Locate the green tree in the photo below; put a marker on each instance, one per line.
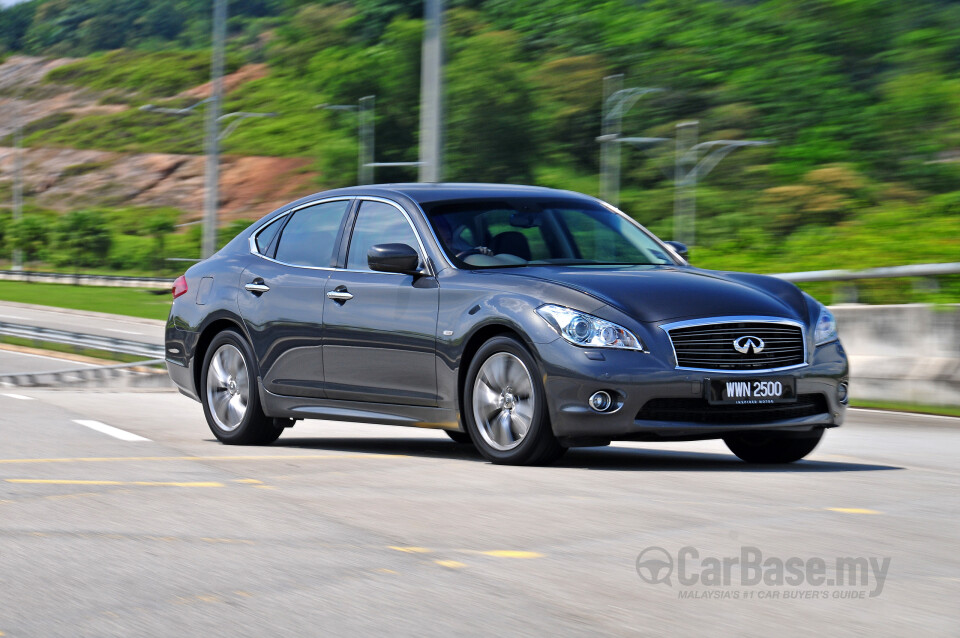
(490, 109)
(81, 238)
(30, 234)
(158, 226)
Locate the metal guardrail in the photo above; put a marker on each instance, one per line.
(89, 280)
(80, 340)
(915, 270)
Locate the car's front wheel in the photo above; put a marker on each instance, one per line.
(229, 394)
(773, 447)
(505, 406)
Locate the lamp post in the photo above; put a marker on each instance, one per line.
(690, 167)
(366, 165)
(18, 181)
(212, 173)
(616, 102)
(431, 94)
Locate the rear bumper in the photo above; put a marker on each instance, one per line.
(180, 344)
(182, 375)
(639, 380)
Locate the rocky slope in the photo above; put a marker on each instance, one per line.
(68, 179)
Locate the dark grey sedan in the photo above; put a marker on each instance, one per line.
(521, 320)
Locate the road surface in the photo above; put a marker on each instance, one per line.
(91, 323)
(15, 362)
(362, 530)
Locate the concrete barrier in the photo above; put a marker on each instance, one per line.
(908, 352)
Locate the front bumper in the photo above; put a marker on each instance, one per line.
(638, 379)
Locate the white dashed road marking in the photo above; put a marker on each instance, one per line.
(109, 430)
(17, 396)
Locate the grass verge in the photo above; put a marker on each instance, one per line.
(896, 406)
(133, 302)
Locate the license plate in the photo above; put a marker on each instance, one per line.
(751, 391)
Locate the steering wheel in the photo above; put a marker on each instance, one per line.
(477, 250)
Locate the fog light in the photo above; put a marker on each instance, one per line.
(842, 393)
(601, 401)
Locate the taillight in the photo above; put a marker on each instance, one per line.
(180, 286)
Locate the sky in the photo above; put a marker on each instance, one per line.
(7, 3)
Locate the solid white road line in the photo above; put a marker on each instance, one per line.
(43, 356)
(116, 433)
(17, 396)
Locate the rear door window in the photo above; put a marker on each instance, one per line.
(308, 238)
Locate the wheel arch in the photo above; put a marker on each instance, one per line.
(207, 335)
(472, 346)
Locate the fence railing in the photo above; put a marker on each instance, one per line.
(84, 341)
(116, 281)
(915, 270)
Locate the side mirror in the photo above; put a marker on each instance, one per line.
(396, 258)
(681, 249)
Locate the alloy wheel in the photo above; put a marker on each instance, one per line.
(228, 387)
(503, 401)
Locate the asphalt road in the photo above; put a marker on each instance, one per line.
(361, 530)
(91, 323)
(15, 362)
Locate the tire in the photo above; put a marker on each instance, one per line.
(463, 438)
(229, 393)
(773, 447)
(505, 407)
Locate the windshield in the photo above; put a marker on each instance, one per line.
(540, 232)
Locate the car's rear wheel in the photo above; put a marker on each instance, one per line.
(773, 447)
(229, 394)
(505, 406)
(463, 438)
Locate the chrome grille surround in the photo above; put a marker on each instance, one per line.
(785, 344)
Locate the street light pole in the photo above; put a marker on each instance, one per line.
(684, 204)
(212, 195)
(689, 168)
(365, 134)
(18, 180)
(616, 102)
(366, 124)
(431, 93)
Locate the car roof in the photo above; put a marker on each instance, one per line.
(425, 192)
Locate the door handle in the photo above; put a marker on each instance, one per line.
(339, 295)
(257, 288)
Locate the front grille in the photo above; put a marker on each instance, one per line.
(711, 346)
(700, 411)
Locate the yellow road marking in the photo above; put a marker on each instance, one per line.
(507, 553)
(243, 593)
(384, 570)
(141, 483)
(248, 481)
(852, 510)
(451, 564)
(274, 457)
(411, 550)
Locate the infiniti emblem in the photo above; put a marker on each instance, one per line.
(744, 344)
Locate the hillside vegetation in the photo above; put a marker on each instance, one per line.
(861, 100)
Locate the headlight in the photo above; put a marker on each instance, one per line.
(586, 330)
(826, 327)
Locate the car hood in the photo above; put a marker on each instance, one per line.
(660, 293)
